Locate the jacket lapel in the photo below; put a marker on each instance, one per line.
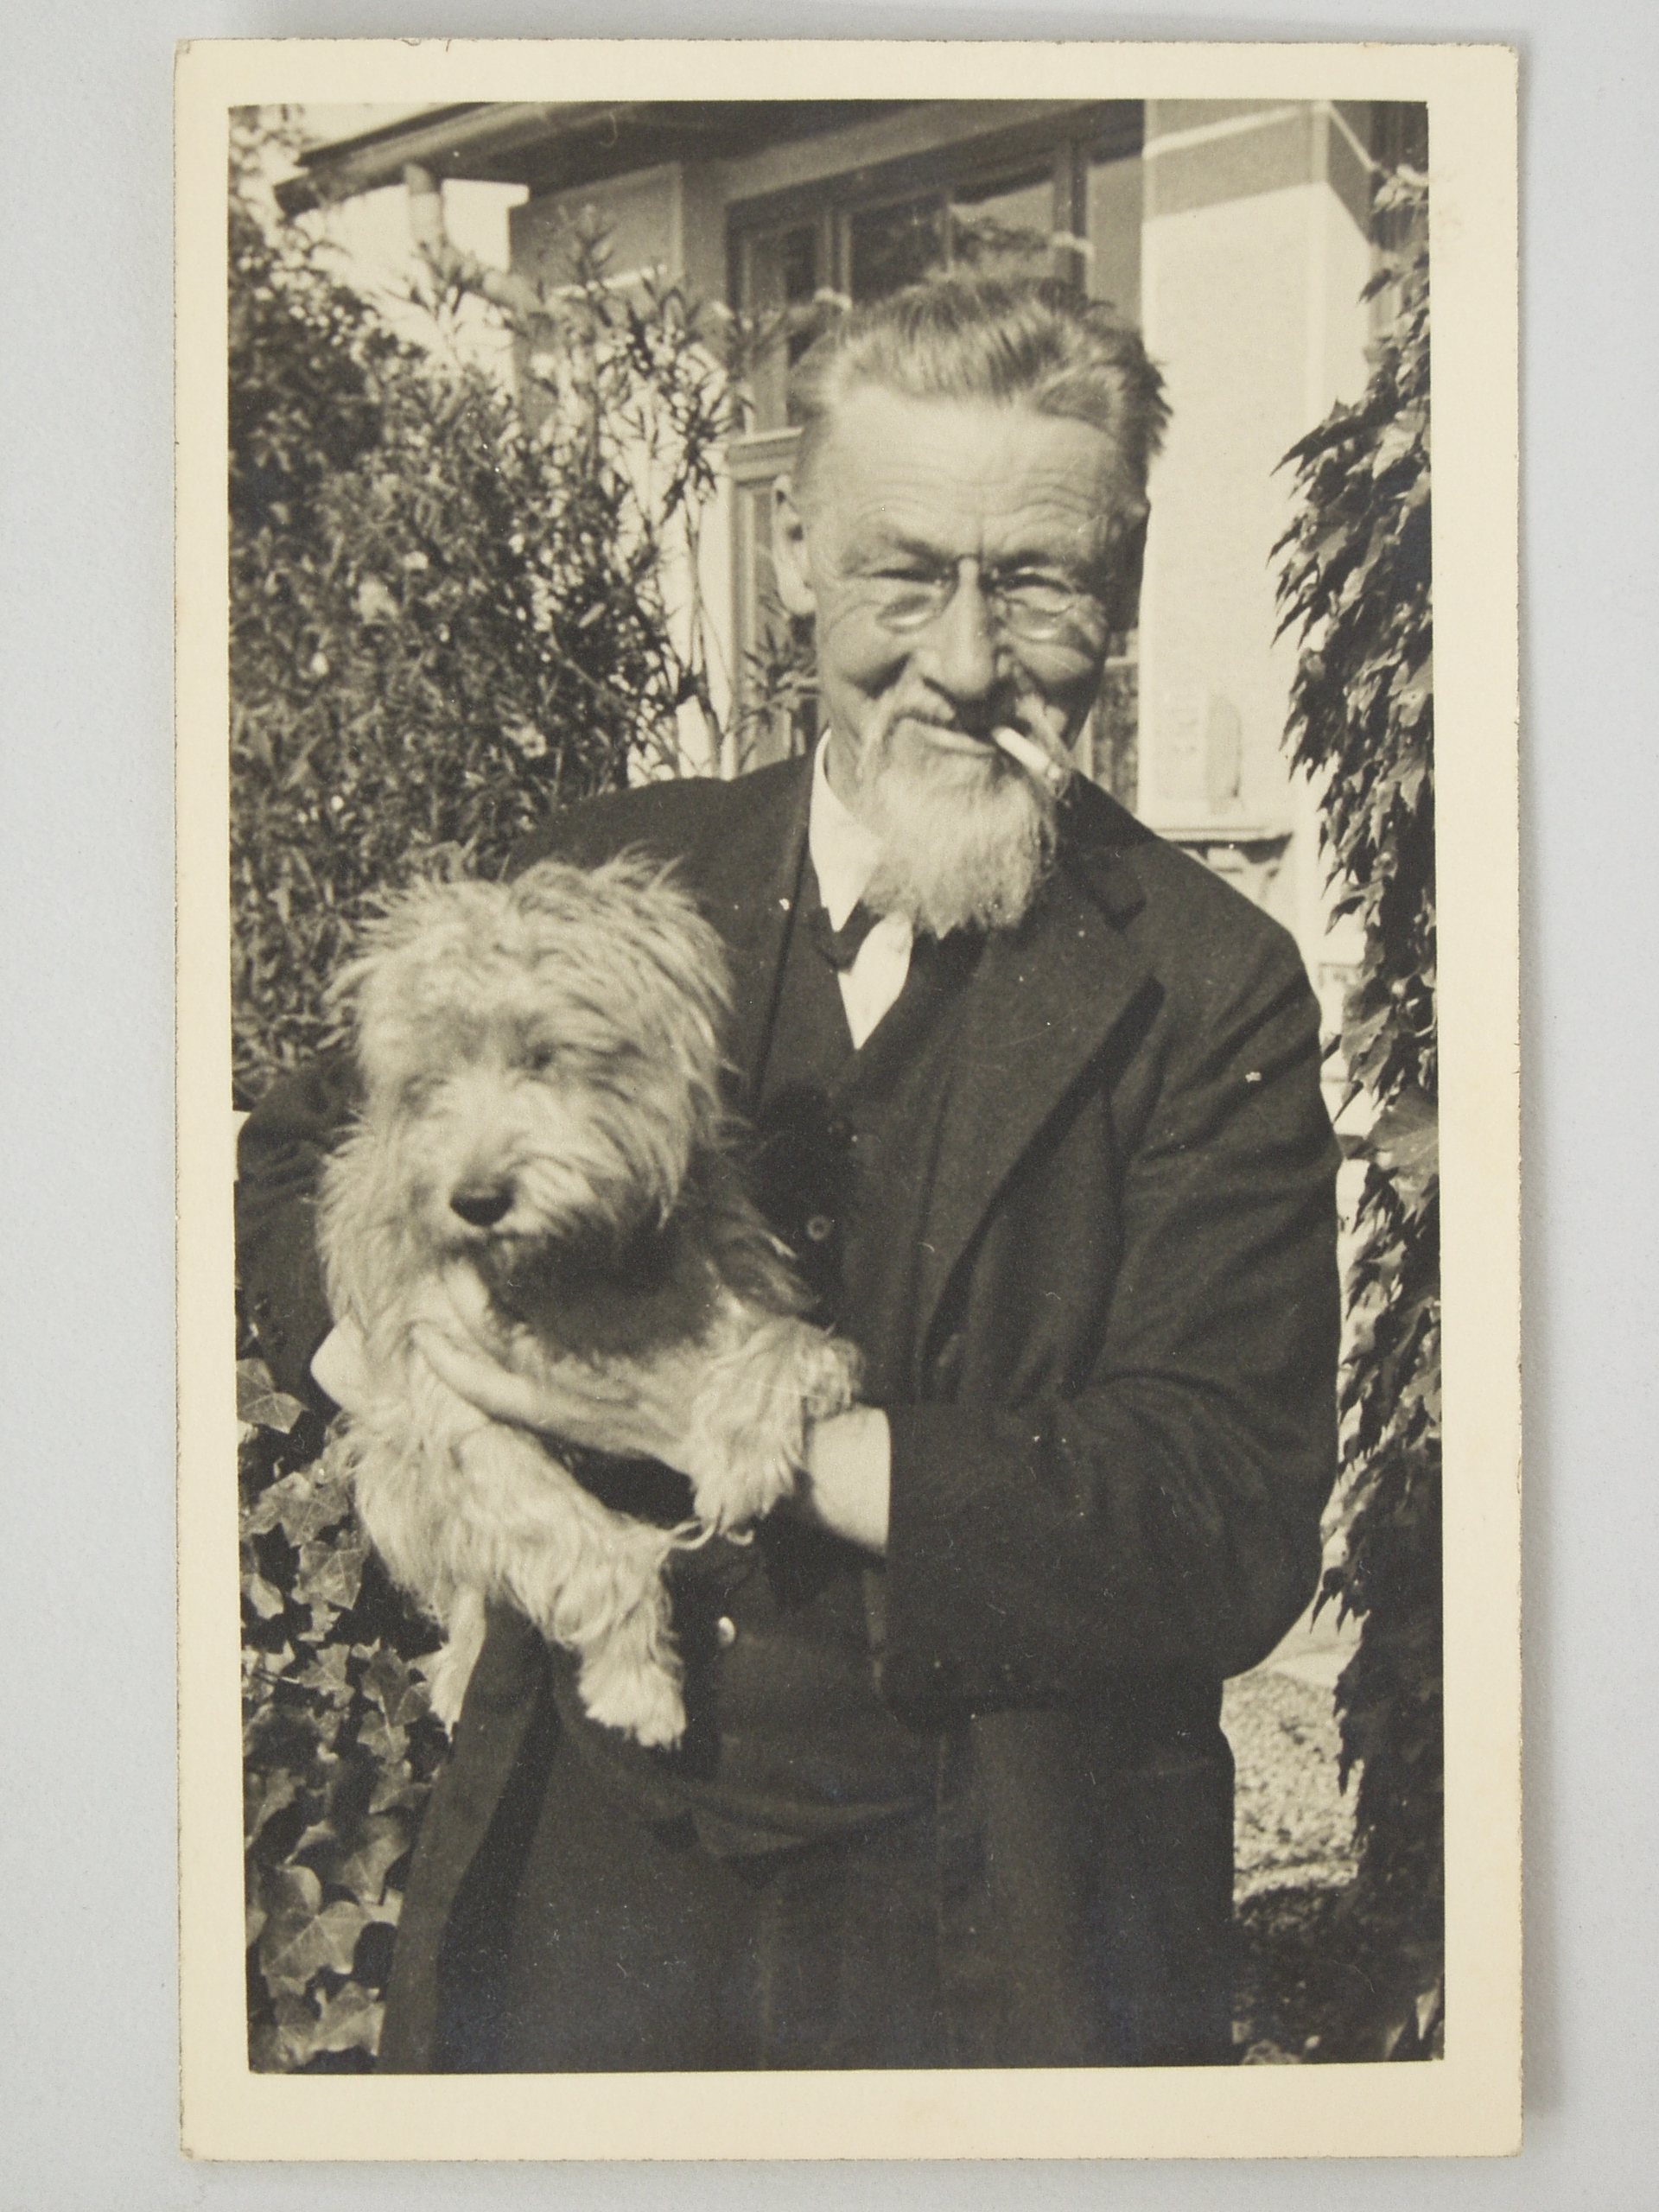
(748, 865)
(1043, 1001)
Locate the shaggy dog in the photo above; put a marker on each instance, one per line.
(541, 1065)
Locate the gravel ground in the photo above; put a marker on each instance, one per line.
(1292, 1823)
(1303, 1978)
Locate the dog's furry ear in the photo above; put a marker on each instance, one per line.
(440, 903)
(634, 917)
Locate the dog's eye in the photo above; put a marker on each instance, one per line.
(414, 1091)
(537, 1060)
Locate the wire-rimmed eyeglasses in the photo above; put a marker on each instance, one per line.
(1037, 608)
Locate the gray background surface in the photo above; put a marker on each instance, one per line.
(87, 1977)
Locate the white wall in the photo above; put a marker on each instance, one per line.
(1250, 303)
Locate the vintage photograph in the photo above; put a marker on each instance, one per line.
(835, 1053)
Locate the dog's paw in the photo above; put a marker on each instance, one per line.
(749, 1426)
(642, 1702)
(741, 1478)
(448, 1673)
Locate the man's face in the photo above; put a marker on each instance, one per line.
(976, 499)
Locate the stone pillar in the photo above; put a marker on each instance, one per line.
(1254, 253)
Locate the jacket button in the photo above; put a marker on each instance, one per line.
(819, 1227)
(725, 1631)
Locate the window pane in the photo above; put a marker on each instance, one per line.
(1114, 215)
(783, 277)
(1005, 225)
(798, 254)
(783, 268)
(894, 245)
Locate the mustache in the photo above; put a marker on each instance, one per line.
(1023, 745)
(947, 724)
(1000, 710)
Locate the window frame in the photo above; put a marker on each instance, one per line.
(1069, 140)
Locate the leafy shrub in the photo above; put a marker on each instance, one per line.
(449, 610)
(449, 615)
(1355, 583)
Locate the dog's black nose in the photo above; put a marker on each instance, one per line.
(482, 1207)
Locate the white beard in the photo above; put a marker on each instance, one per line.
(964, 844)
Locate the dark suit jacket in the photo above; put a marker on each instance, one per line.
(1108, 1466)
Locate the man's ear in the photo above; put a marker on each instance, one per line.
(1130, 560)
(789, 552)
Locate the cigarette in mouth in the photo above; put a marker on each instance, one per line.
(1053, 775)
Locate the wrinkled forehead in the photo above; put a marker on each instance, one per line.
(961, 476)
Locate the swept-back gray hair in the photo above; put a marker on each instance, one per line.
(1030, 342)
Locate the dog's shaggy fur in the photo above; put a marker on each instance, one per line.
(541, 1065)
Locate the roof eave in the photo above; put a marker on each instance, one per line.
(462, 140)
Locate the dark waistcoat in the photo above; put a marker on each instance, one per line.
(787, 1739)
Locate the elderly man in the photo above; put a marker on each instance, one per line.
(1036, 1102)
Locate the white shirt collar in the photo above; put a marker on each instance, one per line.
(844, 854)
(844, 851)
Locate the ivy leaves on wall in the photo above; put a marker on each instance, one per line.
(339, 1747)
(1355, 583)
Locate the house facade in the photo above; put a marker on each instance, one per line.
(1238, 234)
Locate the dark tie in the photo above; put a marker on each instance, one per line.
(840, 946)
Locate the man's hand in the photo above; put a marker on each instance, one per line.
(631, 1412)
(844, 1484)
(644, 1413)
(340, 1365)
